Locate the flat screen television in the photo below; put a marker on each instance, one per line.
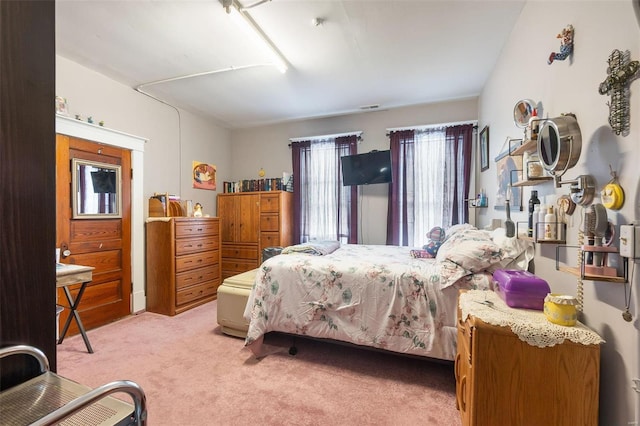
(366, 169)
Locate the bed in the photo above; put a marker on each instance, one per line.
(377, 296)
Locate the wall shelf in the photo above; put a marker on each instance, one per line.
(533, 181)
(576, 272)
(579, 271)
(473, 203)
(527, 146)
(562, 227)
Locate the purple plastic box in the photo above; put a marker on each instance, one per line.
(521, 289)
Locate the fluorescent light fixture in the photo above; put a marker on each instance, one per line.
(248, 25)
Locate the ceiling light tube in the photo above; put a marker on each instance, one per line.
(249, 26)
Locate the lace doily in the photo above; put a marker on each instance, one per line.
(530, 326)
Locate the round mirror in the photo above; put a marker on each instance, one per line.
(559, 144)
(522, 112)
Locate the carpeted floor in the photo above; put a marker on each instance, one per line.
(193, 374)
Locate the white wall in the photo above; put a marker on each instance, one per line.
(175, 140)
(572, 86)
(267, 147)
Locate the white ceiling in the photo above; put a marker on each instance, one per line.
(366, 52)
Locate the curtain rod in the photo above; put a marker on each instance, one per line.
(337, 135)
(433, 126)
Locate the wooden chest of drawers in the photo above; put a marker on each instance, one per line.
(250, 222)
(501, 380)
(183, 263)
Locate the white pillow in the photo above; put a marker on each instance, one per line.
(472, 249)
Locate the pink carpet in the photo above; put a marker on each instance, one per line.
(193, 374)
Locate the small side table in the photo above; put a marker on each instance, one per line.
(67, 275)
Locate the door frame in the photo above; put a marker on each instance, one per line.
(80, 129)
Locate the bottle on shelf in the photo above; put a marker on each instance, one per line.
(534, 125)
(533, 201)
(536, 220)
(483, 199)
(542, 212)
(550, 231)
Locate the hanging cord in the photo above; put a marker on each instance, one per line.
(579, 285)
(626, 315)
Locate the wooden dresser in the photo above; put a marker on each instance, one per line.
(502, 380)
(251, 221)
(183, 263)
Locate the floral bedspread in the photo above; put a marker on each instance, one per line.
(369, 295)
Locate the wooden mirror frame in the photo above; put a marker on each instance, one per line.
(108, 187)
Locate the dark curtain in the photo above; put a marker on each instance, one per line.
(401, 143)
(300, 152)
(459, 146)
(347, 145)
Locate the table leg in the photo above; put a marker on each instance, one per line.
(74, 314)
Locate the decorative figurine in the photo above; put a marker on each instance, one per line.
(197, 210)
(61, 106)
(101, 123)
(90, 120)
(566, 45)
(621, 72)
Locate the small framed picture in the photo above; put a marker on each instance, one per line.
(61, 106)
(483, 147)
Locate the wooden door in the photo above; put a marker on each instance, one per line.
(239, 218)
(226, 213)
(248, 211)
(104, 243)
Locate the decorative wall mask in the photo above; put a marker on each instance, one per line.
(566, 45)
(621, 71)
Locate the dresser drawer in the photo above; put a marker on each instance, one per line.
(197, 260)
(270, 239)
(270, 222)
(195, 228)
(186, 246)
(186, 279)
(196, 292)
(237, 266)
(269, 203)
(240, 252)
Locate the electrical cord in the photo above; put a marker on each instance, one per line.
(626, 315)
(580, 284)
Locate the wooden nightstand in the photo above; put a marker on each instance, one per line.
(503, 380)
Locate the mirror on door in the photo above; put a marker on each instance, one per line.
(96, 189)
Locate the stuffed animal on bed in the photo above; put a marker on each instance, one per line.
(436, 237)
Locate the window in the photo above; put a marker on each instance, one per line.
(324, 209)
(431, 175)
